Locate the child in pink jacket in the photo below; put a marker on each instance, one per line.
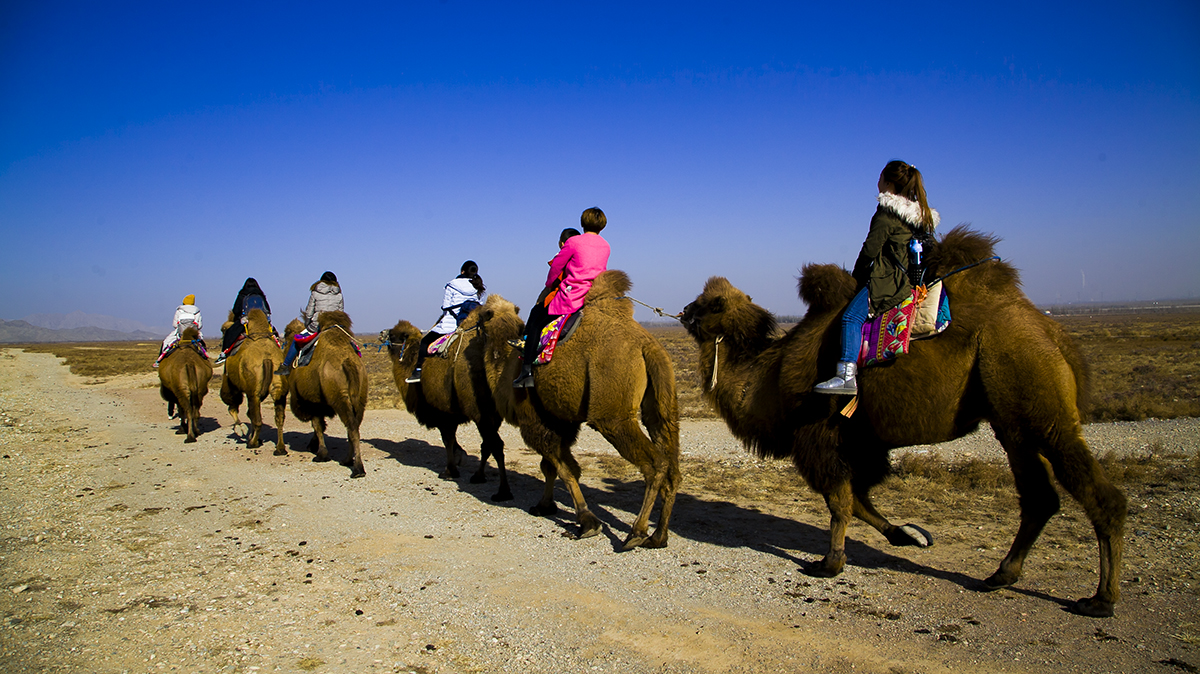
(580, 260)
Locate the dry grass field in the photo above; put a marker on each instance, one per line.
(1143, 365)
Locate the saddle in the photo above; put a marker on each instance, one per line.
(558, 331)
(198, 344)
(306, 345)
(924, 314)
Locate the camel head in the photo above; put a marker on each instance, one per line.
(292, 328)
(403, 339)
(257, 323)
(500, 320)
(724, 311)
(228, 322)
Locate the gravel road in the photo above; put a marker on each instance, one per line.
(125, 550)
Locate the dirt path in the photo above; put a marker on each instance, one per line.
(125, 550)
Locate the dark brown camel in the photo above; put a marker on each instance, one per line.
(333, 383)
(183, 378)
(1001, 361)
(458, 388)
(250, 373)
(610, 372)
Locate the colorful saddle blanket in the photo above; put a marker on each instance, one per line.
(201, 348)
(441, 345)
(306, 347)
(559, 330)
(889, 334)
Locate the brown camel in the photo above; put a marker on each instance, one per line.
(1000, 361)
(333, 383)
(250, 373)
(183, 378)
(607, 373)
(458, 388)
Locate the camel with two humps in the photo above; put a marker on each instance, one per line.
(250, 374)
(458, 388)
(1001, 361)
(333, 383)
(610, 374)
(183, 377)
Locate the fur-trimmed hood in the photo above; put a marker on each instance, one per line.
(909, 211)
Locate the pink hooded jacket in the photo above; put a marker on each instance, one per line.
(583, 258)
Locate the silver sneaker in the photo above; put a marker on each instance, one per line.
(842, 383)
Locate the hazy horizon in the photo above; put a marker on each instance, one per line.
(152, 151)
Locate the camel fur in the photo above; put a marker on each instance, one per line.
(183, 378)
(1001, 361)
(333, 383)
(458, 388)
(250, 373)
(608, 374)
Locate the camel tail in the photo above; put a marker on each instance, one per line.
(660, 409)
(354, 404)
(268, 374)
(193, 379)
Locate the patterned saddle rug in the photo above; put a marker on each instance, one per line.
(306, 346)
(558, 331)
(924, 314)
(198, 344)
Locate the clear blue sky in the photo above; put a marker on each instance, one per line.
(151, 150)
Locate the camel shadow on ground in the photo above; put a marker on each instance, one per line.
(420, 454)
(203, 425)
(716, 522)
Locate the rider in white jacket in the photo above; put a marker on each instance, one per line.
(186, 315)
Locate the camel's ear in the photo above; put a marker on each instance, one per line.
(487, 316)
(517, 309)
(717, 305)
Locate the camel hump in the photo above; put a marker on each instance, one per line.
(328, 319)
(825, 287)
(190, 333)
(609, 284)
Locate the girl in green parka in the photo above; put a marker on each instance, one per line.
(882, 266)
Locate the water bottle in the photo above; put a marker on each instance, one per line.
(914, 251)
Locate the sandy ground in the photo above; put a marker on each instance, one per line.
(125, 550)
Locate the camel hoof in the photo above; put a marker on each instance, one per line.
(911, 534)
(320, 459)
(281, 452)
(655, 542)
(539, 510)
(449, 474)
(588, 532)
(634, 542)
(504, 495)
(189, 440)
(828, 567)
(999, 580)
(253, 444)
(1092, 608)
(589, 525)
(180, 431)
(358, 473)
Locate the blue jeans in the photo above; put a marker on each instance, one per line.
(852, 322)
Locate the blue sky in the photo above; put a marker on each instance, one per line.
(151, 150)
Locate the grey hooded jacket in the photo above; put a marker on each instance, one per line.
(324, 297)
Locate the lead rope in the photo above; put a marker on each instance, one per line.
(716, 352)
(656, 310)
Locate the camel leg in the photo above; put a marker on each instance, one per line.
(1081, 475)
(568, 470)
(841, 508)
(193, 416)
(629, 440)
(357, 470)
(546, 507)
(254, 411)
(493, 445)
(1038, 502)
(280, 404)
(453, 451)
(908, 534)
(322, 453)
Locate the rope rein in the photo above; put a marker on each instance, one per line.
(656, 310)
(963, 268)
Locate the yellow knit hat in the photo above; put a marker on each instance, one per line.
(189, 299)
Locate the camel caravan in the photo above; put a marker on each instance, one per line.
(992, 357)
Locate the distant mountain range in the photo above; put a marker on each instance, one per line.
(76, 327)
